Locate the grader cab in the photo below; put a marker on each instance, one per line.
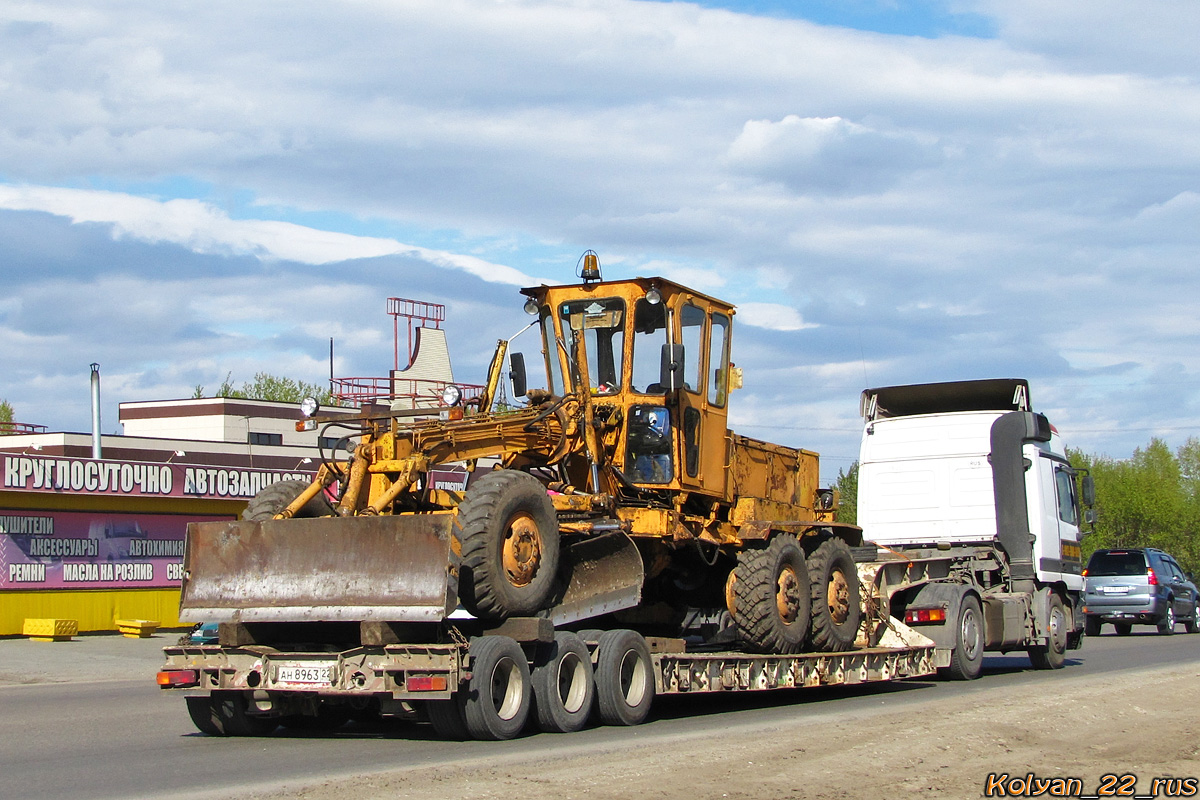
(617, 489)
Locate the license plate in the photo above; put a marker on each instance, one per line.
(312, 674)
(1114, 589)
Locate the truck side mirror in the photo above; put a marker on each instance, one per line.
(516, 372)
(670, 367)
(1089, 491)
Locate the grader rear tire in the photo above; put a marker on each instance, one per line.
(509, 536)
(771, 594)
(836, 597)
(272, 499)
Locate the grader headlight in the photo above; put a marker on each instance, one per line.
(451, 395)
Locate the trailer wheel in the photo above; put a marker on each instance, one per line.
(447, 719)
(563, 684)
(966, 660)
(1092, 625)
(624, 678)
(274, 498)
(1053, 654)
(836, 597)
(509, 536)
(225, 713)
(200, 709)
(772, 598)
(499, 695)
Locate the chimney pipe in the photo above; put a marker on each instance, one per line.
(95, 411)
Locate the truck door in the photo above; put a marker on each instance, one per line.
(704, 332)
(1067, 521)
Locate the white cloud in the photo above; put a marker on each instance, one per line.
(203, 228)
(771, 316)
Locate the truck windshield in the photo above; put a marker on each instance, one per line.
(601, 323)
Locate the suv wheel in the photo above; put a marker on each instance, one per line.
(1091, 625)
(1167, 625)
(1193, 624)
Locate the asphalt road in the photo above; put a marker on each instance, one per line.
(125, 739)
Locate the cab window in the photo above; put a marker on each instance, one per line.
(649, 336)
(552, 352)
(601, 323)
(718, 360)
(1064, 481)
(691, 321)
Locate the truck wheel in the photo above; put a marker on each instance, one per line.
(966, 660)
(227, 715)
(772, 597)
(200, 709)
(272, 499)
(498, 696)
(509, 536)
(1092, 625)
(1053, 654)
(624, 678)
(836, 597)
(447, 719)
(563, 684)
(1166, 625)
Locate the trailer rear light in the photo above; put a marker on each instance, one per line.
(1151, 578)
(426, 683)
(175, 678)
(924, 615)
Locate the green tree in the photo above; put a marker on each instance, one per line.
(6, 411)
(1151, 499)
(266, 386)
(847, 488)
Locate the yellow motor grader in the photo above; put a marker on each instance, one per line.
(618, 489)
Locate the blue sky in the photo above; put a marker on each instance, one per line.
(892, 192)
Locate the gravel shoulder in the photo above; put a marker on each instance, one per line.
(1138, 722)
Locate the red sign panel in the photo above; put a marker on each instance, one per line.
(91, 550)
(49, 474)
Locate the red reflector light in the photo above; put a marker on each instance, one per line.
(919, 615)
(426, 683)
(1151, 578)
(179, 677)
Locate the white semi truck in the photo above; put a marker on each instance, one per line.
(975, 509)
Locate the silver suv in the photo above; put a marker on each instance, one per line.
(1138, 585)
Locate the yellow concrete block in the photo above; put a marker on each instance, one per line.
(137, 628)
(50, 630)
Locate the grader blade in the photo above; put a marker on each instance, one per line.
(602, 575)
(386, 568)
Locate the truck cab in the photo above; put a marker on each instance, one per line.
(968, 474)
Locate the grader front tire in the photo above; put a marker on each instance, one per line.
(771, 597)
(509, 536)
(274, 498)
